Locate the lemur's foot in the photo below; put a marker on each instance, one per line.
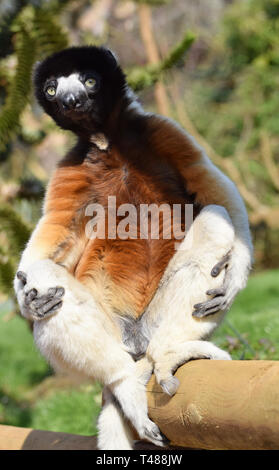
(152, 433)
(41, 306)
(170, 385)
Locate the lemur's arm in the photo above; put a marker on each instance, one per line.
(210, 186)
(213, 187)
(56, 237)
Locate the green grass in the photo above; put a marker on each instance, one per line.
(29, 397)
(23, 403)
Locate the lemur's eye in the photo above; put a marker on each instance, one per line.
(90, 82)
(51, 90)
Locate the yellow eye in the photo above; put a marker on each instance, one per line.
(90, 82)
(51, 91)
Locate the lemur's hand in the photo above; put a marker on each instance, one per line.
(44, 305)
(224, 295)
(36, 300)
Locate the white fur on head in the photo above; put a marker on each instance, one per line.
(70, 84)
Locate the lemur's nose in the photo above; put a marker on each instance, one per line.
(70, 101)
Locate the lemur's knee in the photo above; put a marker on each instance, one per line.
(216, 218)
(213, 226)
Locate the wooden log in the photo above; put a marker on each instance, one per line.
(220, 405)
(14, 438)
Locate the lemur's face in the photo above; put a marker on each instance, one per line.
(73, 95)
(79, 87)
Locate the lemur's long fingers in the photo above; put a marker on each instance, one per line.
(221, 265)
(220, 291)
(52, 293)
(49, 307)
(57, 291)
(209, 307)
(45, 305)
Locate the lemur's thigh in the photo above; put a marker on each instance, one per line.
(169, 318)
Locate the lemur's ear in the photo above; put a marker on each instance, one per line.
(112, 55)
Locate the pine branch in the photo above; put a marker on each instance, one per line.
(36, 32)
(49, 35)
(19, 90)
(17, 231)
(178, 51)
(143, 77)
(7, 274)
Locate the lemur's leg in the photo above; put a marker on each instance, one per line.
(173, 330)
(70, 328)
(171, 359)
(113, 427)
(211, 186)
(83, 339)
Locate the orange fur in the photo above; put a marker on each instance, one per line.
(123, 274)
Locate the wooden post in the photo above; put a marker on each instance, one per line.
(219, 405)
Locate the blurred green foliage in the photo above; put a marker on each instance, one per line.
(239, 84)
(30, 396)
(37, 34)
(17, 234)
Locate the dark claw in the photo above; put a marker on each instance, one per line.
(221, 265)
(22, 277)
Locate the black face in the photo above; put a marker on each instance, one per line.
(79, 87)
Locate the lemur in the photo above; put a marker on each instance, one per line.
(118, 308)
